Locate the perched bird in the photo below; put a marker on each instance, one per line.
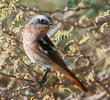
(40, 49)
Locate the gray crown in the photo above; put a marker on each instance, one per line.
(41, 21)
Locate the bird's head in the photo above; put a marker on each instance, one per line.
(42, 21)
(40, 24)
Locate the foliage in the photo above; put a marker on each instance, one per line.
(82, 37)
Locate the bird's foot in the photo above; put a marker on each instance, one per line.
(41, 83)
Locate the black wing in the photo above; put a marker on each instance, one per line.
(48, 48)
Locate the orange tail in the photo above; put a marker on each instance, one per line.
(76, 81)
(60, 65)
(73, 78)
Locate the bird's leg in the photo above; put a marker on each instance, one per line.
(42, 82)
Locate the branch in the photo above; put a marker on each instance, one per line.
(60, 24)
(13, 76)
(25, 8)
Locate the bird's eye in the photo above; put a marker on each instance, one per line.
(42, 21)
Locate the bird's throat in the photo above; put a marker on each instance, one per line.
(37, 30)
(42, 30)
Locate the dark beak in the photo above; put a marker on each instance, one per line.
(51, 26)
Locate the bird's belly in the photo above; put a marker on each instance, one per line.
(35, 58)
(38, 58)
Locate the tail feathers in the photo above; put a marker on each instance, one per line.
(76, 81)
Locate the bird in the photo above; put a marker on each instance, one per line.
(40, 49)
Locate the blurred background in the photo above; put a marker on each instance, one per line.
(82, 36)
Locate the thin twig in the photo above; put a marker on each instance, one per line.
(13, 76)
